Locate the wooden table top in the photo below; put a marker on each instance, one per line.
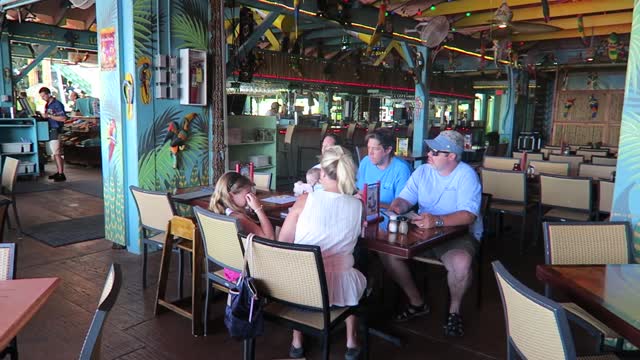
(610, 293)
(407, 246)
(19, 302)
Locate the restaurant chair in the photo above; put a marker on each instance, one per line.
(91, 347)
(508, 191)
(573, 160)
(428, 259)
(323, 131)
(9, 176)
(351, 130)
(550, 167)
(589, 153)
(410, 131)
(530, 156)
(262, 181)
(498, 163)
(605, 197)
(565, 199)
(361, 152)
(287, 151)
(292, 279)
(371, 127)
(548, 150)
(316, 150)
(588, 243)
(4, 210)
(154, 210)
(596, 171)
(537, 327)
(603, 160)
(222, 248)
(8, 272)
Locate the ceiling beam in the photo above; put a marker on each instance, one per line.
(556, 10)
(457, 7)
(34, 33)
(592, 21)
(573, 33)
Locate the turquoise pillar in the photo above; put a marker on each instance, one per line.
(6, 84)
(626, 194)
(421, 110)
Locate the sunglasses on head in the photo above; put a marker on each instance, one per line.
(438, 152)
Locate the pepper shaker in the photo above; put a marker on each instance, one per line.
(403, 226)
(393, 223)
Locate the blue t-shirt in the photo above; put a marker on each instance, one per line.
(392, 179)
(55, 108)
(442, 195)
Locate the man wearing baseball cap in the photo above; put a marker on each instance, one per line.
(448, 193)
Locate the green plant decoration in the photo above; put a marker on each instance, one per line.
(189, 24)
(144, 22)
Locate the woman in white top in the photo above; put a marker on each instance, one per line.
(313, 220)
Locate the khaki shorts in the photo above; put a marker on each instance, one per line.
(54, 148)
(467, 243)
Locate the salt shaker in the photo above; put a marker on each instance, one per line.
(403, 227)
(393, 223)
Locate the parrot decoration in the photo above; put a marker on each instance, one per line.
(111, 137)
(614, 47)
(545, 10)
(179, 134)
(593, 104)
(581, 30)
(567, 106)
(144, 63)
(592, 80)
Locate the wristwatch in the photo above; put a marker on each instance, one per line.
(439, 221)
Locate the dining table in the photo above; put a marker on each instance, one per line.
(611, 293)
(20, 300)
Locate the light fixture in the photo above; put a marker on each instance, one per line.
(432, 8)
(467, 14)
(590, 54)
(502, 25)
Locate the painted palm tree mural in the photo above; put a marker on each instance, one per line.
(626, 203)
(189, 24)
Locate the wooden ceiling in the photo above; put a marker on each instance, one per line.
(56, 12)
(600, 17)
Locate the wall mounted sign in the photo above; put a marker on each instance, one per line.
(108, 51)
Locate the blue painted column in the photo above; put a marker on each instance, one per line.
(6, 84)
(421, 115)
(626, 195)
(117, 121)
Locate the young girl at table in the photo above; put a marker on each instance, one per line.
(313, 221)
(231, 197)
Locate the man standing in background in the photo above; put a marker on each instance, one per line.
(54, 112)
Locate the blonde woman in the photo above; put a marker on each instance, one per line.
(313, 221)
(231, 197)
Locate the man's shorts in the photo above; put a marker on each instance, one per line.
(54, 148)
(467, 243)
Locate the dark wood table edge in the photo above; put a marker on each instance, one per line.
(407, 253)
(587, 300)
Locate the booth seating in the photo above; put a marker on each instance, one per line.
(550, 167)
(596, 171)
(498, 163)
(573, 160)
(603, 160)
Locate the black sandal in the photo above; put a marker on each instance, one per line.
(454, 326)
(412, 311)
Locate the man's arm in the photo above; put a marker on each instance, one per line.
(428, 221)
(400, 205)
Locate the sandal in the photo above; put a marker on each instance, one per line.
(352, 353)
(454, 326)
(412, 311)
(296, 353)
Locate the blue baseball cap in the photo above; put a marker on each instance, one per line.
(448, 140)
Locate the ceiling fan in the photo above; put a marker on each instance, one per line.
(502, 26)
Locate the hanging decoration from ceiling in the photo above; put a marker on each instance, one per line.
(593, 105)
(592, 81)
(614, 47)
(545, 10)
(377, 33)
(568, 104)
(580, 20)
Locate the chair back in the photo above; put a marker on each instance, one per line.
(603, 160)
(7, 261)
(550, 167)
(501, 149)
(592, 243)
(350, 132)
(290, 273)
(91, 347)
(565, 192)
(9, 175)
(537, 327)
(410, 130)
(589, 153)
(4, 212)
(220, 238)
(262, 181)
(372, 127)
(605, 196)
(498, 163)
(574, 161)
(596, 171)
(504, 185)
(154, 208)
(530, 156)
(288, 136)
(361, 152)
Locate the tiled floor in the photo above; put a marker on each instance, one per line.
(133, 332)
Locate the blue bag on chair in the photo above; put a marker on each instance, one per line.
(243, 314)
